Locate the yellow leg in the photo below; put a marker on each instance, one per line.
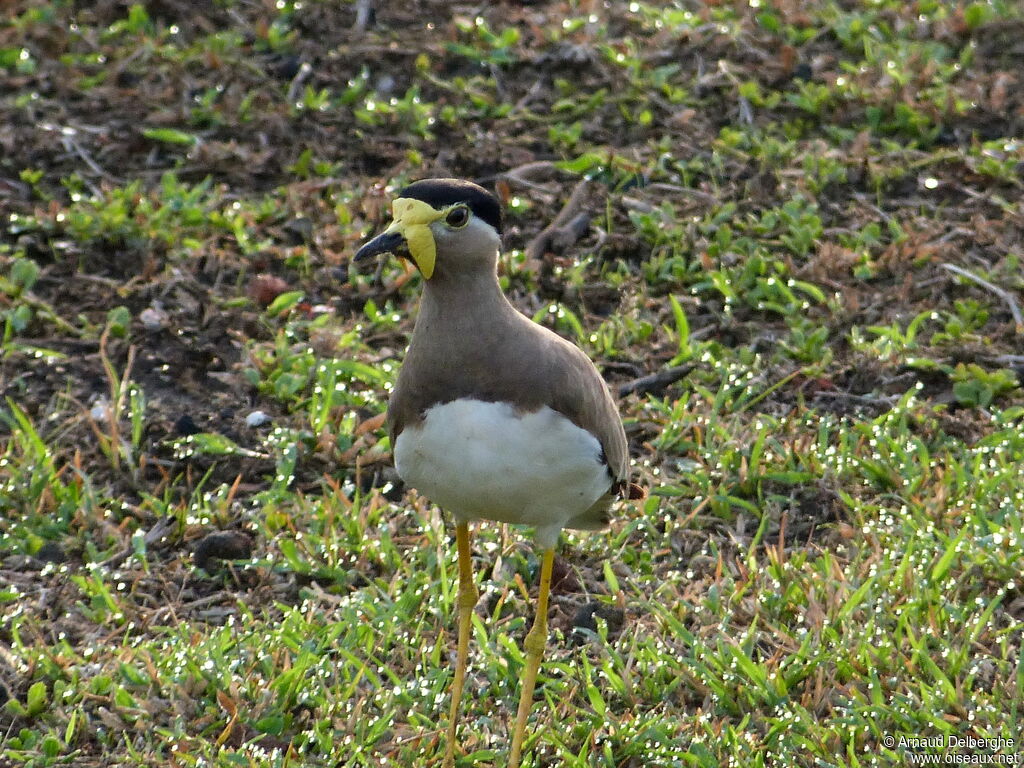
(534, 647)
(468, 596)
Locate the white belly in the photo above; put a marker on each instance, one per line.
(483, 460)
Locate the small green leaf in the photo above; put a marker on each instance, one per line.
(24, 273)
(942, 567)
(214, 444)
(682, 329)
(976, 14)
(100, 685)
(21, 317)
(272, 724)
(15, 708)
(138, 19)
(170, 136)
(9, 57)
(69, 732)
(855, 599)
(124, 700)
(972, 394)
(596, 701)
(583, 164)
(51, 746)
(609, 578)
(811, 290)
(284, 302)
(36, 700)
(119, 321)
(291, 555)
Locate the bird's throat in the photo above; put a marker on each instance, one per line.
(466, 298)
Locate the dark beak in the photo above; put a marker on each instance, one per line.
(386, 242)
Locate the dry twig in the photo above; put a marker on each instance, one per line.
(1002, 293)
(364, 16)
(565, 229)
(305, 70)
(526, 175)
(656, 382)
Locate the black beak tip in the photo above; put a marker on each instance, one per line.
(387, 242)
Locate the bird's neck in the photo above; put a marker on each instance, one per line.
(464, 299)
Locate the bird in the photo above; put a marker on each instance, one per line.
(493, 417)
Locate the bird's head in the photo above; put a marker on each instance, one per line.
(445, 226)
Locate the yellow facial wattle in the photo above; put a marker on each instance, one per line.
(412, 220)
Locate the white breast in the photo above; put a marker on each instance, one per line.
(482, 460)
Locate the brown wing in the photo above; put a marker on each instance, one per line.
(578, 392)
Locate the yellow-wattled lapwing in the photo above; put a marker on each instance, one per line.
(493, 417)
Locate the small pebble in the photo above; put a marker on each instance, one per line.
(51, 552)
(264, 288)
(256, 419)
(185, 426)
(587, 616)
(226, 545)
(153, 318)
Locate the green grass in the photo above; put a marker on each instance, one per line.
(831, 551)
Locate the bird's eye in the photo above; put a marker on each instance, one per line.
(457, 217)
